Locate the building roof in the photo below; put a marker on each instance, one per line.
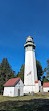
(36, 81)
(46, 84)
(11, 82)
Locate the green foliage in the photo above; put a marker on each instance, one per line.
(6, 73)
(47, 68)
(45, 79)
(21, 73)
(39, 70)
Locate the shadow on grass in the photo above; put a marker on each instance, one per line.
(29, 105)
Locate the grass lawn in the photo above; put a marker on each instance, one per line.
(37, 102)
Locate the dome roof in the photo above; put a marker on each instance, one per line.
(29, 42)
(29, 38)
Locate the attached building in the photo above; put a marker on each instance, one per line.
(13, 87)
(46, 87)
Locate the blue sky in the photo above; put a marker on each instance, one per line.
(18, 20)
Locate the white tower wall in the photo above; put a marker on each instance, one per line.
(35, 69)
(30, 72)
(29, 68)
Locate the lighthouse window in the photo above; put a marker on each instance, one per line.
(29, 48)
(26, 48)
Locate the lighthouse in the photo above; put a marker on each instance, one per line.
(31, 83)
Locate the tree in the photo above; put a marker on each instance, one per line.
(21, 73)
(45, 79)
(39, 70)
(6, 72)
(47, 69)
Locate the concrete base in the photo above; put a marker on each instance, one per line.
(31, 89)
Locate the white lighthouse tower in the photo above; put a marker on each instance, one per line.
(30, 71)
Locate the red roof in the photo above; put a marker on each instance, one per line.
(11, 82)
(36, 81)
(46, 84)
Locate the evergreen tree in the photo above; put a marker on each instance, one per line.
(47, 69)
(39, 70)
(6, 73)
(45, 79)
(21, 73)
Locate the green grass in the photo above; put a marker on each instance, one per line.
(37, 102)
(3, 98)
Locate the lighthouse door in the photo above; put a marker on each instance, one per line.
(18, 92)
